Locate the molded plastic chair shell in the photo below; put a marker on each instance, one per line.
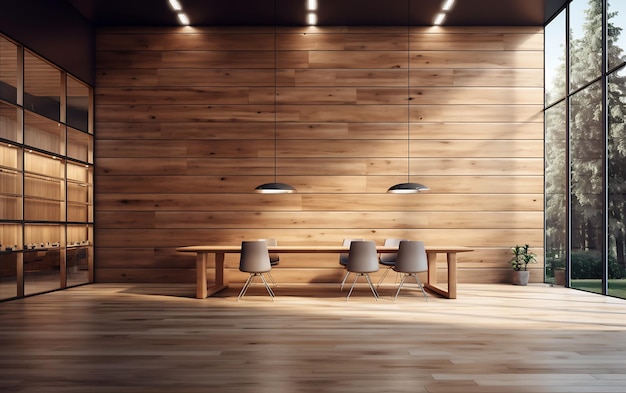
(343, 257)
(274, 257)
(362, 260)
(389, 259)
(254, 259)
(411, 260)
(343, 260)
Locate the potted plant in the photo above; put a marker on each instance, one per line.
(522, 256)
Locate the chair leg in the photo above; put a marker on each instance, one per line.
(382, 278)
(269, 290)
(400, 286)
(395, 281)
(249, 282)
(245, 286)
(269, 275)
(344, 280)
(369, 281)
(352, 287)
(417, 280)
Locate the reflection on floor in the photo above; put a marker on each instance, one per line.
(40, 282)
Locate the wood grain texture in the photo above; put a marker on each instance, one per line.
(185, 124)
(105, 338)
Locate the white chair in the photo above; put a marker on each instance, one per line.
(343, 260)
(274, 258)
(388, 259)
(411, 261)
(362, 260)
(254, 259)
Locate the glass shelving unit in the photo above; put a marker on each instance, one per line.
(46, 176)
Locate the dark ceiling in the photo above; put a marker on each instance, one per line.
(330, 12)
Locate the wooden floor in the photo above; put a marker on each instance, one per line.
(147, 338)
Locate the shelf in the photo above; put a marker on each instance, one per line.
(42, 164)
(10, 236)
(44, 133)
(10, 207)
(43, 177)
(43, 210)
(42, 199)
(9, 171)
(46, 179)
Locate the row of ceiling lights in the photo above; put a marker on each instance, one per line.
(182, 17)
(311, 6)
(311, 17)
(447, 5)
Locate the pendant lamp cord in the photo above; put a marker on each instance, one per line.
(275, 93)
(408, 91)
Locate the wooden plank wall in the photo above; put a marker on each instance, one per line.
(185, 131)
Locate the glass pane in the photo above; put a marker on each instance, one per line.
(8, 274)
(554, 37)
(10, 237)
(616, 42)
(77, 104)
(79, 254)
(42, 258)
(10, 241)
(586, 160)
(43, 133)
(617, 182)
(9, 127)
(8, 70)
(10, 182)
(79, 145)
(79, 193)
(556, 192)
(585, 42)
(44, 187)
(42, 87)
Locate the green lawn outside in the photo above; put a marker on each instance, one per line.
(617, 288)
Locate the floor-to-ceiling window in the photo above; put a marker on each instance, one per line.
(586, 147)
(556, 149)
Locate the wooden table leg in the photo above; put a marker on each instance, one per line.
(432, 275)
(452, 275)
(221, 282)
(201, 287)
(220, 278)
(432, 268)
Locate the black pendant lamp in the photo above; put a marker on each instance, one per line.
(408, 187)
(275, 187)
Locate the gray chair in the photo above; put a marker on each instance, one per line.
(274, 258)
(254, 259)
(388, 259)
(362, 260)
(343, 260)
(411, 261)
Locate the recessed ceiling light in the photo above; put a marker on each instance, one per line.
(447, 5)
(439, 18)
(311, 5)
(311, 18)
(175, 5)
(183, 19)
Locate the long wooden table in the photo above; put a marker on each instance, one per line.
(221, 283)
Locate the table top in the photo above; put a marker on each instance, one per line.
(232, 249)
